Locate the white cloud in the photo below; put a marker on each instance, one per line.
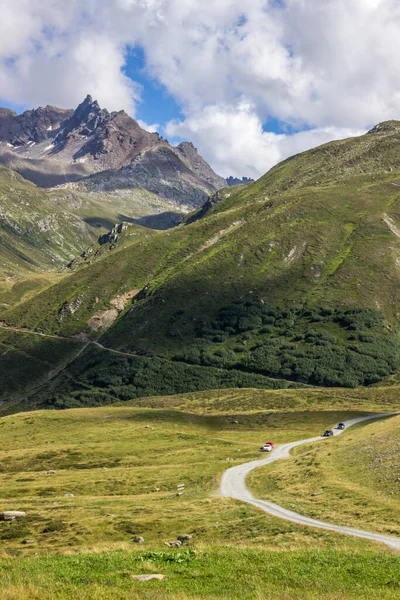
(153, 127)
(331, 66)
(57, 53)
(233, 141)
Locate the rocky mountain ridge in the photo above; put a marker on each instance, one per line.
(51, 146)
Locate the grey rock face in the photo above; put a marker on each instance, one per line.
(199, 166)
(159, 170)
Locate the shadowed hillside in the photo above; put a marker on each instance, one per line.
(293, 277)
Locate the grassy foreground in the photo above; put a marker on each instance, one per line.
(116, 476)
(214, 573)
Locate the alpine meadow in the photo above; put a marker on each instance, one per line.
(200, 300)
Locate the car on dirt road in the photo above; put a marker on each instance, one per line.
(340, 426)
(327, 433)
(267, 447)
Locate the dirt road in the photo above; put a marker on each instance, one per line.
(233, 485)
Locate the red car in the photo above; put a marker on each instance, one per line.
(267, 447)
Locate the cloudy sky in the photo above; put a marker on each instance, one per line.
(248, 82)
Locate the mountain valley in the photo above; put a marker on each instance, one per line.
(290, 280)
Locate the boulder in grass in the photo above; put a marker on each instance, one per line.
(10, 515)
(174, 544)
(184, 537)
(138, 539)
(51, 472)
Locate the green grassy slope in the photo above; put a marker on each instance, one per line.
(37, 235)
(42, 230)
(316, 238)
(309, 254)
(123, 465)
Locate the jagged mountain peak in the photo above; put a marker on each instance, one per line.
(52, 146)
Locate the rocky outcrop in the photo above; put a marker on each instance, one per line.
(199, 166)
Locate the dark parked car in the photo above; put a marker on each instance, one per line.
(341, 426)
(327, 433)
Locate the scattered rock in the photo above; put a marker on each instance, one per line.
(110, 515)
(316, 493)
(227, 459)
(28, 541)
(174, 544)
(149, 577)
(51, 472)
(68, 495)
(184, 537)
(10, 515)
(235, 422)
(138, 539)
(179, 493)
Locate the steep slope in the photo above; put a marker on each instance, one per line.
(320, 227)
(199, 166)
(43, 230)
(38, 233)
(295, 276)
(160, 171)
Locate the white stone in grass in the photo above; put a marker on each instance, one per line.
(149, 577)
(10, 515)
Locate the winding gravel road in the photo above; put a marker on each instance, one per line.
(233, 485)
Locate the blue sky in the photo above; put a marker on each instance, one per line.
(248, 83)
(157, 105)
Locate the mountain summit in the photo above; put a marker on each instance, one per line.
(50, 146)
